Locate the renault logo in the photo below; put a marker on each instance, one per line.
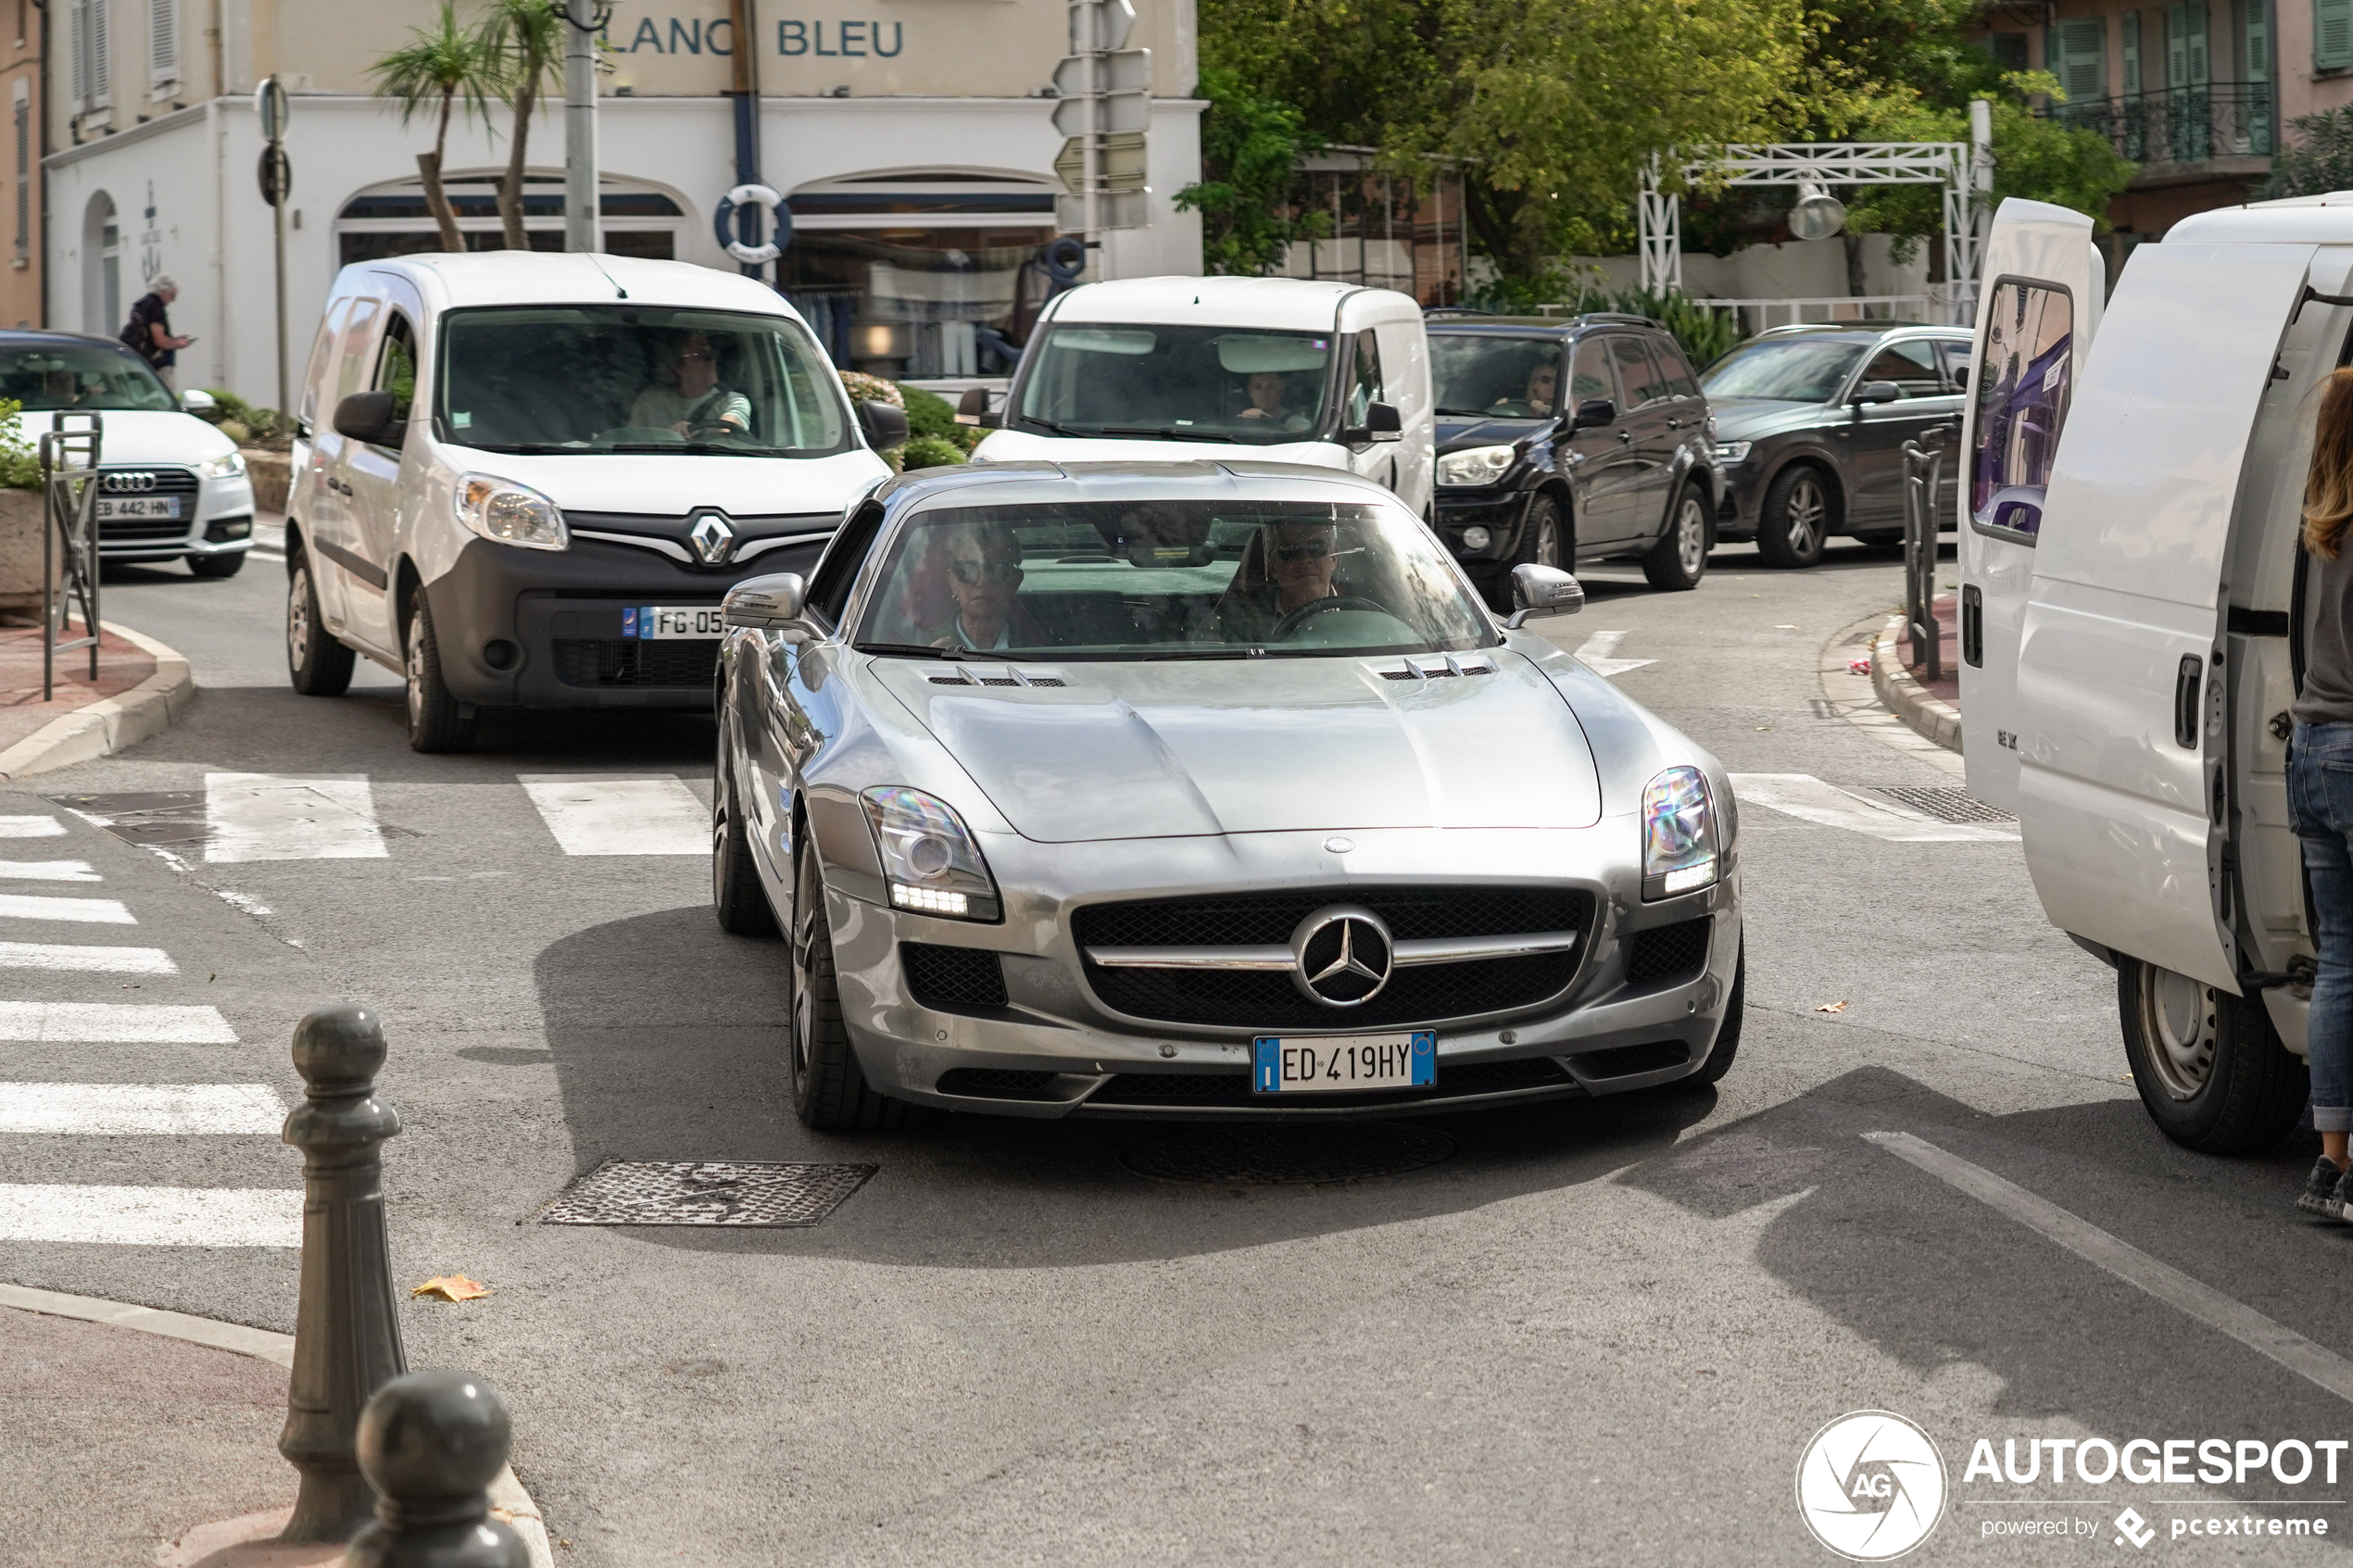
(1340, 955)
(124, 484)
(711, 537)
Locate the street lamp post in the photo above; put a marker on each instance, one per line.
(583, 18)
(272, 109)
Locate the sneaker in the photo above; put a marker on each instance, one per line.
(2323, 1196)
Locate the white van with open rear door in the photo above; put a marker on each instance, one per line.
(2131, 622)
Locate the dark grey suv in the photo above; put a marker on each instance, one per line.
(1810, 427)
(1616, 465)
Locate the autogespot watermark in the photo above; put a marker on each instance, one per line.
(1872, 1485)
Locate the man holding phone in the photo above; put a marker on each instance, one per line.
(149, 331)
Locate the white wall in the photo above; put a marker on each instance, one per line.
(1800, 268)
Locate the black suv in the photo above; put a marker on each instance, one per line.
(1810, 427)
(1617, 465)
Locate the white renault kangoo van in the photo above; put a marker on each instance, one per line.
(2132, 617)
(526, 480)
(1326, 375)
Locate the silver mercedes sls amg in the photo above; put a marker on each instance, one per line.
(1203, 789)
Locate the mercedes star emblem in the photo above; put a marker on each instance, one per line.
(1340, 955)
(711, 538)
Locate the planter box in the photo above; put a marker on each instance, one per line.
(270, 473)
(20, 524)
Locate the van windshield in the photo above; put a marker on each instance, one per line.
(620, 378)
(76, 375)
(1176, 383)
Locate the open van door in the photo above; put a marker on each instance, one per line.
(2044, 284)
(2122, 734)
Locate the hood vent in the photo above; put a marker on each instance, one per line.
(1443, 667)
(995, 675)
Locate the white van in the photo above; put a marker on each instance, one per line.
(2131, 622)
(526, 480)
(1326, 375)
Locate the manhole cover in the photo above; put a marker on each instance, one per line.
(1947, 804)
(704, 1192)
(1229, 1156)
(165, 819)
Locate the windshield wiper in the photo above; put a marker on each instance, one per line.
(1199, 653)
(1466, 413)
(706, 447)
(909, 650)
(1166, 434)
(1060, 429)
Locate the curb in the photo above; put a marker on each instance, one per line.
(506, 1493)
(111, 723)
(1906, 697)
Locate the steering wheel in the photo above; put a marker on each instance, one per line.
(1314, 607)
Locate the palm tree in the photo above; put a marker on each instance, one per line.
(527, 37)
(442, 63)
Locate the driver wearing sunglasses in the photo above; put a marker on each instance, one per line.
(1288, 565)
(984, 578)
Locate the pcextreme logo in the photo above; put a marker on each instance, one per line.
(1870, 1485)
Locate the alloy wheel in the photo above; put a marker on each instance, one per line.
(298, 616)
(413, 666)
(1806, 516)
(2178, 1019)
(1691, 536)
(1548, 539)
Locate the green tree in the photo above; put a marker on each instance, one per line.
(1250, 149)
(2320, 158)
(527, 38)
(441, 64)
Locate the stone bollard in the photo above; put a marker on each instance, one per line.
(431, 1442)
(346, 1327)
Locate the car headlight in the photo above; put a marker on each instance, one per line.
(1476, 538)
(1679, 835)
(932, 864)
(227, 466)
(1480, 464)
(1732, 453)
(508, 513)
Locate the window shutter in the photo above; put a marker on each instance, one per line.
(2332, 34)
(101, 55)
(2080, 60)
(77, 50)
(2131, 29)
(24, 169)
(163, 43)
(2199, 73)
(2259, 41)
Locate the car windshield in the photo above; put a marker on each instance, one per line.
(1795, 370)
(1505, 378)
(620, 378)
(78, 375)
(1169, 580)
(1176, 383)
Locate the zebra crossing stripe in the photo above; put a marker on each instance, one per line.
(290, 817)
(1809, 799)
(601, 814)
(48, 871)
(31, 827)
(33, 906)
(151, 1216)
(123, 1110)
(1599, 654)
(92, 961)
(115, 1023)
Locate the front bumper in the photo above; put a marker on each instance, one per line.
(221, 524)
(1740, 492)
(1054, 1050)
(1498, 512)
(543, 628)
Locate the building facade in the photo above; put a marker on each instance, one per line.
(912, 139)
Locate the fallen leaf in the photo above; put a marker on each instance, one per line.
(451, 1287)
(1832, 1006)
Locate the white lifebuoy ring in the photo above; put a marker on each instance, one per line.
(768, 201)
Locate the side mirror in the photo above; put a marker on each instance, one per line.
(1960, 377)
(197, 401)
(972, 409)
(1593, 413)
(884, 424)
(1542, 590)
(367, 415)
(1382, 423)
(763, 604)
(1878, 391)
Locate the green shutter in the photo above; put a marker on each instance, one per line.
(2200, 71)
(2259, 40)
(2079, 58)
(2177, 45)
(2332, 34)
(2131, 29)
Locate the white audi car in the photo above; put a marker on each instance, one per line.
(171, 486)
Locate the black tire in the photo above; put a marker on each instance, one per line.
(828, 1087)
(737, 897)
(1881, 539)
(218, 566)
(1543, 541)
(2211, 1071)
(1728, 1037)
(1679, 558)
(1799, 513)
(437, 720)
(319, 665)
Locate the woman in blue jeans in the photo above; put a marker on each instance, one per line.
(2320, 790)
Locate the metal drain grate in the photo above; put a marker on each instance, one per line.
(1270, 1156)
(1946, 803)
(704, 1192)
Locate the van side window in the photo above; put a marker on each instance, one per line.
(396, 365)
(1365, 389)
(322, 359)
(357, 338)
(836, 572)
(2023, 387)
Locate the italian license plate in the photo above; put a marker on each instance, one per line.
(1337, 1063)
(112, 508)
(665, 624)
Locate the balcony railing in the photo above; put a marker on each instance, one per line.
(2181, 125)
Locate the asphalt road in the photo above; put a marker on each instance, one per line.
(1600, 1332)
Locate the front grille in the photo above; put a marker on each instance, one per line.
(1233, 1088)
(131, 481)
(1624, 1061)
(618, 661)
(952, 979)
(142, 529)
(1668, 953)
(993, 1083)
(1260, 999)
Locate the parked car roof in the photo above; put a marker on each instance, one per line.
(1859, 332)
(1446, 320)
